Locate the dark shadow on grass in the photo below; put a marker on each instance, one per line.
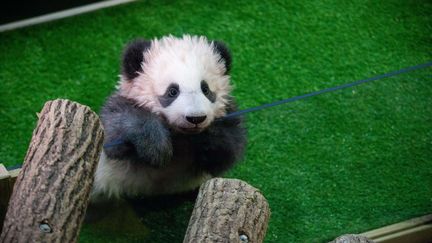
(145, 219)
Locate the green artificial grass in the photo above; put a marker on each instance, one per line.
(343, 162)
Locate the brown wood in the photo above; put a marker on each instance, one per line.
(228, 210)
(352, 239)
(416, 230)
(51, 193)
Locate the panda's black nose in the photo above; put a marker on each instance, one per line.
(196, 119)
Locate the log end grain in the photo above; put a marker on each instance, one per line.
(228, 210)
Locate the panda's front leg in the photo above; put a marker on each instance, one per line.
(135, 134)
(220, 146)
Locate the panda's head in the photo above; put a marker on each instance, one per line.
(184, 80)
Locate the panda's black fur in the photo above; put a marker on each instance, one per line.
(148, 139)
(150, 143)
(133, 57)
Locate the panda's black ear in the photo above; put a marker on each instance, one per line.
(224, 52)
(133, 56)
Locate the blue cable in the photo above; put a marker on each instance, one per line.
(327, 90)
(300, 97)
(308, 95)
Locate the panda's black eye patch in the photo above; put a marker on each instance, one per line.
(207, 92)
(171, 93)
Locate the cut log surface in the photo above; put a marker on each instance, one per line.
(228, 210)
(350, 238)
(51, 192)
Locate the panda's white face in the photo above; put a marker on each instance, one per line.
(188, 108)
(184, 80)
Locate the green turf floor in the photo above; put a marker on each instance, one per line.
(343, 162)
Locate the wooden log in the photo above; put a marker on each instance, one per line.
(350, 238)
(51, 192)
(415, 230)
(228, 210)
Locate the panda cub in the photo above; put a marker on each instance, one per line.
(166, 114)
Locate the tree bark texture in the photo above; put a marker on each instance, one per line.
(51, 192)
(228, 210)
(350, 238)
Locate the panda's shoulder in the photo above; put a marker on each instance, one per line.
(119, 104)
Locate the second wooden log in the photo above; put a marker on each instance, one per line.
(228, 210)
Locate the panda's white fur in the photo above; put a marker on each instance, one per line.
(136, 115)
(116, 178)
(188, 61)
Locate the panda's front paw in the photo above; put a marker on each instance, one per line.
(151, 143)
(154, 153)
(117, 148)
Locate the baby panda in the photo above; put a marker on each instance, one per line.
(164, 132)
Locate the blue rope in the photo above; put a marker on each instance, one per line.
(308, 95)
(323, 91)
(300, 97)
(115, 142)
